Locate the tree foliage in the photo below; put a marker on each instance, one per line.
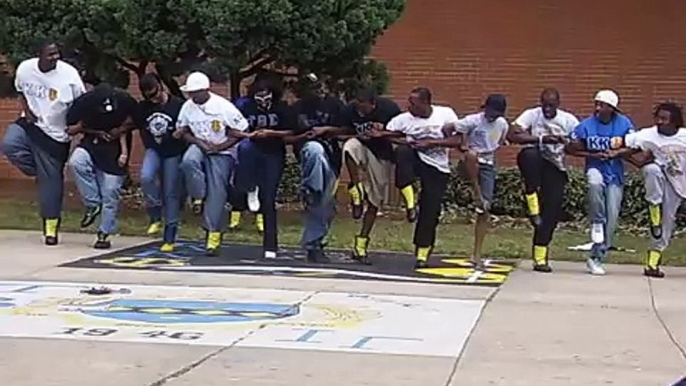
(230, 39)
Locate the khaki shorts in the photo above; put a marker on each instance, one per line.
(378, 179)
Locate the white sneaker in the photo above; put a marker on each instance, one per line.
(598, 233)
(595, 267)
(254, 200)
(270, 255)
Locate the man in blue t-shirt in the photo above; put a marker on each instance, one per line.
(600, 139)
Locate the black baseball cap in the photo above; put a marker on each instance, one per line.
(495, 105)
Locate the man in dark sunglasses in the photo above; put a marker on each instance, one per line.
(160, 171)
(543, 131)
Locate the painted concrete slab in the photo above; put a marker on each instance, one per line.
(239, 317)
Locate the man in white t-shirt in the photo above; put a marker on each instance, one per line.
(38, 142)
(422, 155)
(482, 134)
(543, 131)
(661, 154)
(212, 125)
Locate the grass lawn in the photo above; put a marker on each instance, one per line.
(390, 233)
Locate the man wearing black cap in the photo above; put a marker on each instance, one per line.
(99, 162)
(482, 134)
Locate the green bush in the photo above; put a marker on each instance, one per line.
(509, 195)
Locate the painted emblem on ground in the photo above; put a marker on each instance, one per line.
(239, 317)
(246, 259)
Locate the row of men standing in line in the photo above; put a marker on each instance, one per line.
(213, 126)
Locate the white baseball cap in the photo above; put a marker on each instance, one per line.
(196, 81)
(608, 96)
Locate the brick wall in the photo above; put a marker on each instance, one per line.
(465, 49)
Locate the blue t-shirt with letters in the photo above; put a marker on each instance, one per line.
(597, 137)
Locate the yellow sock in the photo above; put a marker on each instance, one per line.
(360, 246)
(423, 253)
(259, 222)
(532, 203)
(356, 192)
(540, 255)
(655, 215)
(235, 220)
(408, 194)
(653, 259)
(51, 227)
(214, 240)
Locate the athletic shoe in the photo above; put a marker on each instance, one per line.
(167, 248)
(90, 215)
(269, 255)
(214, 241)
(154, 228)
(102, 242)
(254, 200)
(540, 255)
(317, 256)
(653, 272)
(595, 267)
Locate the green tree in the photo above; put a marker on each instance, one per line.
(229, 39)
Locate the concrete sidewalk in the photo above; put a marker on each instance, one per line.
(567, 328)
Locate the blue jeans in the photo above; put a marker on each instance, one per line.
(34, 162)
(318, 187)
(97, 188)
(207, 177)
(605, 203)
(257, 167)
(162, 186)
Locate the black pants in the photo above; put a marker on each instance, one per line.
(541, 176)
(261, 168)
(433, 185)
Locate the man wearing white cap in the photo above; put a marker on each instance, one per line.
(600, 139)
(212, 126)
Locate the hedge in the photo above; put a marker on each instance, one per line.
(509, 199)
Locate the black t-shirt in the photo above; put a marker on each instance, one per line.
(90, 109)
(385, 110)
(279, 117)
(318, 112)
(157, 124)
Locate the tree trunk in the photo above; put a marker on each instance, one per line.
(235, 85)
(168, 80)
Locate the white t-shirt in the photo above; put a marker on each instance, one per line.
(669, 153)
(49, 94)
(425, 128)
(534, 121)
(483, 137)
(209, 121)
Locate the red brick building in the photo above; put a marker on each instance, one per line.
(465, 49)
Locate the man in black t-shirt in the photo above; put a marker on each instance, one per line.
(160, 174)
(261, 157)
(373, 155)
(99, 162)
(320, 159)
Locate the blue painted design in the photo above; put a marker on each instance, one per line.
(4, 303)
(190, 311)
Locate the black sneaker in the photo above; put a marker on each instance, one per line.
(101, 242)
(89, 217)
(317, 256)
(653, 272)
(545, 268)
(51, 231)
(420, 264)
